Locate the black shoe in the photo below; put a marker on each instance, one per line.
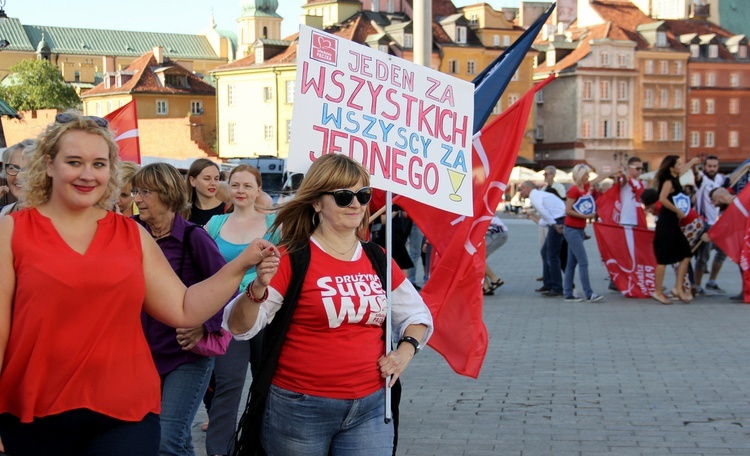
(739, 297)
(551, 294)
(542, 289)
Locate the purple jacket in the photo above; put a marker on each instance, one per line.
(162, 339)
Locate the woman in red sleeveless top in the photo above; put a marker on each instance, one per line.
(77, 376)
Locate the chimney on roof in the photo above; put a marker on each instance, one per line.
(700, 11)
(159, 54)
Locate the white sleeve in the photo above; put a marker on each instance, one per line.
(408, 308)
(266, 313)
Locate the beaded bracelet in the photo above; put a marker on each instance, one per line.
(251, 296)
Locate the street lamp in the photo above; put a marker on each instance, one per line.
(3, 16)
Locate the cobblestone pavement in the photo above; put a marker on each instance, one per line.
(619, 377)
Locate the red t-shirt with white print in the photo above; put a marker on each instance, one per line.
(336, 335)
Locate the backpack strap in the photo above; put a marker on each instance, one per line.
(186, 248)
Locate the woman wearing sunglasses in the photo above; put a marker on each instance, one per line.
(77, 376)
(320, 389)
(14, 161)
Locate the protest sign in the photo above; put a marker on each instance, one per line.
(409, 126)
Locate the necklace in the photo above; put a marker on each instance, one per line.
(161, 235)
(331, 247)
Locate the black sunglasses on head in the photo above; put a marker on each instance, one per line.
(344, 198)
(64, 118)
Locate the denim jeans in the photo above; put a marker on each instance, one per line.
(300, 424)
(576, 256)
(551, 270)
(415, 252)
(181, 394)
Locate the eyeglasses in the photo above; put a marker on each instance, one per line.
(64, 118)
(637, 168)
(142, 191)
(345, 198)
(12, 170)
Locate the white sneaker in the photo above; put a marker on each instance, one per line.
(594, 297)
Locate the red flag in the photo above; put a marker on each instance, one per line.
(728, 231)
(745, 262)
(454, 291)
(609, 206)
(124, 123)
(628, 254)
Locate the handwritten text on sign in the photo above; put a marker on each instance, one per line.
(410, 126)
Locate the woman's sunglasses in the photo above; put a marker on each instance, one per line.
(64, 118)
(344, 198)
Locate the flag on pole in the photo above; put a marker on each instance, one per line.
(628, 254)
(454, 291)
(124, 123)
(492, 81)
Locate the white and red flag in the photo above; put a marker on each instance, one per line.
(628, 254)
(732, 234)
(609, 205)
(124, 123)
(454, 291)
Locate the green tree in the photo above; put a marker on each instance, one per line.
(38, 84)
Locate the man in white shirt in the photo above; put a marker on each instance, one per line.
(706, 181)
(630, 192)
(551, 210)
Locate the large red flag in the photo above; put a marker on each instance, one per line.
(609, 206)
(124, 123)
(732, 234)
(628, 254)
(454, 291)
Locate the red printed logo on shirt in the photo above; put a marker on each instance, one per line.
(353, 299)
(324, 48)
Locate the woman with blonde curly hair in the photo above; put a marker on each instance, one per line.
(77, 375)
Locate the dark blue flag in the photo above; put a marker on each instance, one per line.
(490, 84)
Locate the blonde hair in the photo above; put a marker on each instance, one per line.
(127, 171)
(578, 172)
(38, 185)
(165, 180)
(329, 172)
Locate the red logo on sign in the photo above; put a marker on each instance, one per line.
(324, 48)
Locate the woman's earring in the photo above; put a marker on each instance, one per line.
(313, 219)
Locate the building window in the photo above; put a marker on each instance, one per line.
(471, 67)
(734, 106)
(677, 98)
(540, 97)
(288, 131)
(498, 107)
(711, 80)
(586, 129)
(676, 131)
(663, 67)
(409, 40)
(695, 106)
(539, 132)
(622, 90)
(742, 52)
(506, 40)
(231, 129)
(267, 93)
(512, 98)
(621, 129)
(259, 55)
(695, 79)
(109, 106)
(290, 87)
(604, 129)
(710, 106)
(496, 40)
(649, 67)
(604, 59)
(474, 20)
(695, 139)
(664, 99)
(678, 67)
(713, 51)
(663, 131)
(268, 132)
(648, 131)
(623, 60)
(734, 138)
(709, 139)
(587, 90)
(196, 107)
(383, 48)
(695, 50)
(98, 109)
(231, 95)
(648, 98)
(604, 90)
(453, 66)
(162, 107)
(734, 79)
(549, 58)
(661, 39)
(461, 35)
(515, 76)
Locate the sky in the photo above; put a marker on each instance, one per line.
(169, 16)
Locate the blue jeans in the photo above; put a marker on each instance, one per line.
(576, 256)
(181, 394)
(552, 270)
(300, 424)
(415, 251)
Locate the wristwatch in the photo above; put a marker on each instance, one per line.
(410, 340)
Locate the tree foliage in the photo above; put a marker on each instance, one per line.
(38, 84)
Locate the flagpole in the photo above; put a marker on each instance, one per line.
(388, 294)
